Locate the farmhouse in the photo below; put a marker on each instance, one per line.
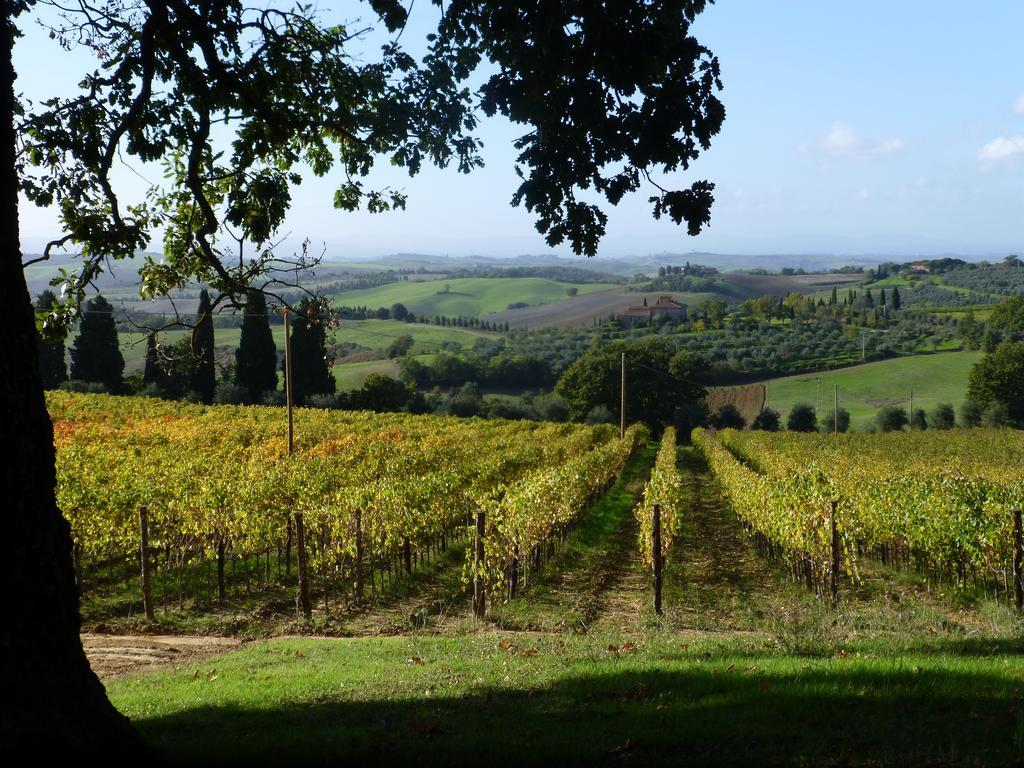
(666, 307)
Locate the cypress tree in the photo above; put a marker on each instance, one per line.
(834, 298)
(256, 356)
(52, 367)
(881, 301)
(95, 355)
(152, 373)
(310, 369)
(203, 377)
(895, 297)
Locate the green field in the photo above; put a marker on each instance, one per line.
(863, 389)
(379, 334)
(352, 375)
(469, 297)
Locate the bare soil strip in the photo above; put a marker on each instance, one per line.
(114, 656)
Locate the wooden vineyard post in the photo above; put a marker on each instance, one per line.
(407, 555)
(288, 550)
(479, 598)
(1018, 561)
(513, 579)
(836, 552)
(300, 545)
(221, 591)
(359, 555)
(147, 598)
(656, 555)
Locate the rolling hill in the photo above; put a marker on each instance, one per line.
(469, 297)
(863, 389)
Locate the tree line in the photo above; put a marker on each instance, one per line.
(187, 369)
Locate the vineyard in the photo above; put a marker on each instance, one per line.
(556, 536)
(948, 507)
(376, 494)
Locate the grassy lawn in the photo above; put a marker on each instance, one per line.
(505, 698)
(863, 389)
(470, 297)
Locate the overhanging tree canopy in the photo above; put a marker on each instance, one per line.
(608, 94)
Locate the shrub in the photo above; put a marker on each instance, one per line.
(229, 393)
(829, 424)
(768, 420)
(970, 414)
(802, 418)
(943, 417)
(551, 407)
(919, 420)
(995, 415)
(84, 387)
(274, 397)
(327, 402)
(727, 417)
(599, 414)
(891, 418)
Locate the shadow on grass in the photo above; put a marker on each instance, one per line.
(884, 712)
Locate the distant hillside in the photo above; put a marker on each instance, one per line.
(597, 306)
(469, 297)
(863, 389)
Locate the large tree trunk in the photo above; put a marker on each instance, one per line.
(53, 702)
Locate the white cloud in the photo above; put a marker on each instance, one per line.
(842, 141)
(1001, 148)
(1018, 105)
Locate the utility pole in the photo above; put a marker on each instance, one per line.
(288, 380)
(622, 400)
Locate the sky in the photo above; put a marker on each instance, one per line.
(862, 128)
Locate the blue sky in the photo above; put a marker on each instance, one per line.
(853, 128)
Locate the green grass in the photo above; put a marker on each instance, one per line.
(379, 334)
(503, 698)
(863, 389)
(470, 297)
(352, 375)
